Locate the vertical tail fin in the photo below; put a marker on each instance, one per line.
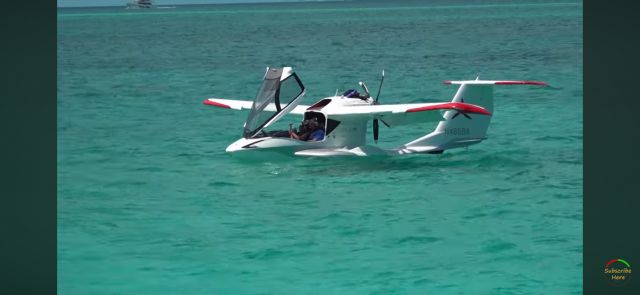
(461, 129)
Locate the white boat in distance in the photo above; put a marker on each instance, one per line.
(138, 4)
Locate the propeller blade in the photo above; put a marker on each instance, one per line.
(461, 112)
(376, 126)
(375, 130)
(380, 87)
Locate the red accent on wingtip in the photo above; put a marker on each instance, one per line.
(452, 106)
(521, 83)
(217, 104)
(448, 82)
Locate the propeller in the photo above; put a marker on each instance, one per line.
(458, 112)
(375, 119)
(380, 87)
(375, 130)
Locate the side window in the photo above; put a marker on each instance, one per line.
(290, 88)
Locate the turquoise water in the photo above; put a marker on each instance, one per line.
(149, 203)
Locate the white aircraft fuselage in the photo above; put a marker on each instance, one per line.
(343, 119)
(348, 134)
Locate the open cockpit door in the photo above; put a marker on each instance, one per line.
(280, 87)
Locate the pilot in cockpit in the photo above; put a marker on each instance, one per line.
(310, 130)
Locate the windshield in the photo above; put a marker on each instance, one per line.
(272, 100)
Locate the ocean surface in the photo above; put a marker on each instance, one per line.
(149, 202)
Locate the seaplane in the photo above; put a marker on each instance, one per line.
(337, 125)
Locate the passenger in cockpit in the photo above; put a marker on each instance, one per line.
(309, 130)
(317, 135)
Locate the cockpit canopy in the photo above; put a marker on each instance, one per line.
(281, 87)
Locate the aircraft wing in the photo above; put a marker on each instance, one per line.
(246, 105)
(400, 114)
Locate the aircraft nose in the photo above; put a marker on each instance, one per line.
(232, 148)
(236, 146)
